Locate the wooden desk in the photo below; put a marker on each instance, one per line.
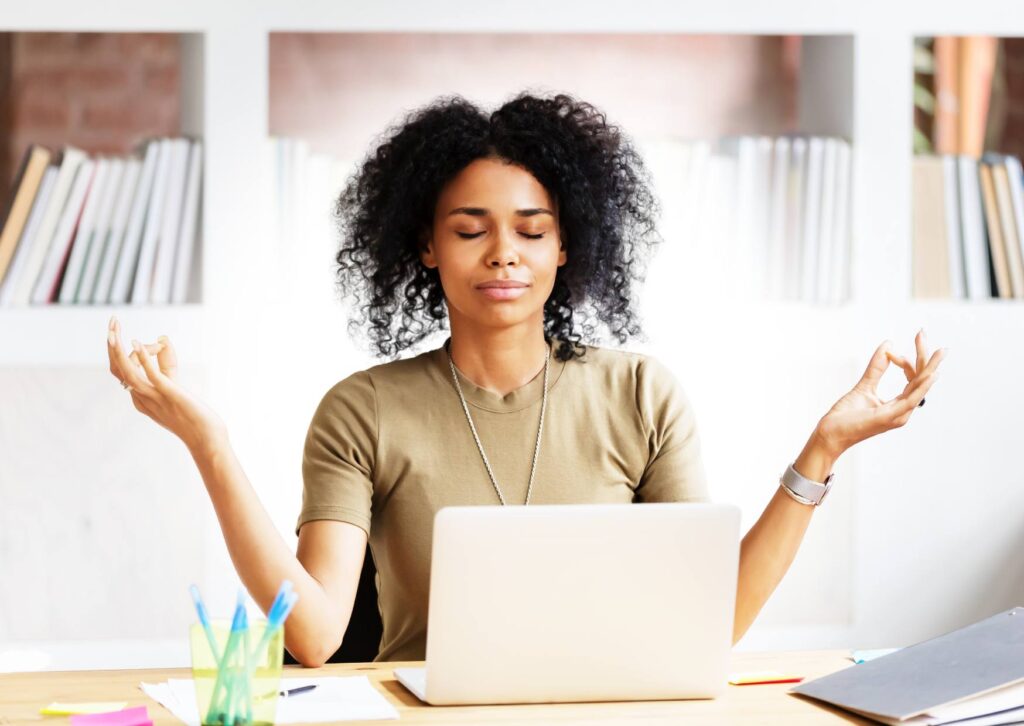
(23, 694)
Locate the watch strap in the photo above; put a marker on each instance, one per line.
(804, 490)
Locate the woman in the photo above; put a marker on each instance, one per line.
(523, 231)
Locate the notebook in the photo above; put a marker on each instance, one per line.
(975, 673)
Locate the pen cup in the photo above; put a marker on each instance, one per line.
(244, 695)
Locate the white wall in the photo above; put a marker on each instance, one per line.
(921, 534)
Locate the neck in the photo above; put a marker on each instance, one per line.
(499, 359)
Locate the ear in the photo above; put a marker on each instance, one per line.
(427, 249)
(561, 254)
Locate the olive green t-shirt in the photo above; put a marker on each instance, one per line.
(389, 446)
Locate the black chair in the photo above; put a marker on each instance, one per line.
(362, 637)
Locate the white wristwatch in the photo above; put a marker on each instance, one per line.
(805, 490)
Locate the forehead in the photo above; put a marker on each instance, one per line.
(496, 185)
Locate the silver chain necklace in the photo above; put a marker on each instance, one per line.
(476, 437)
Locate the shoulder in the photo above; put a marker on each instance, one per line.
(618, 368)
(365, 386)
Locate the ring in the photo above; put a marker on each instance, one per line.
(920, 404)
(126, 386)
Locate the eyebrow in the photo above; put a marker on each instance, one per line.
(482, 212)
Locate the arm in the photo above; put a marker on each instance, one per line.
(325, 571)
(768, 549)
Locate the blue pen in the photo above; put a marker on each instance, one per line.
(278, 613)
(223, 677)
(204, 620)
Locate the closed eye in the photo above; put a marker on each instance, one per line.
(474, 235)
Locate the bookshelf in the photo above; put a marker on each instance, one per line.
(790, 358)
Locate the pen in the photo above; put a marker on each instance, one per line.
(300, 689)
(204, 620)
(290, 691)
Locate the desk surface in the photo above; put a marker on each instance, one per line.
(23, 694)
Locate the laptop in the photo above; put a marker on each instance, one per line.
(579, 602)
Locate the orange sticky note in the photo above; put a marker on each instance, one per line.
(755, 678)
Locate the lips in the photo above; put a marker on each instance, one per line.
(490, 284)
(502, 289)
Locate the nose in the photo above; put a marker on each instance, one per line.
(503, 252)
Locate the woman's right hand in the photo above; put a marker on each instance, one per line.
(149, 374)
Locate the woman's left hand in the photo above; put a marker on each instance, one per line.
(861, 414)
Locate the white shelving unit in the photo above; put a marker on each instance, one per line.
(901, 491)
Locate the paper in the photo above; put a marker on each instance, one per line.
(351, 698)
(137, 716)
(753, 678)
(68, 709)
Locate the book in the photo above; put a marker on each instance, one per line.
(951, 204)
(826, 222)
(39, 244)
(100, 292)
(1011, 238)
(795, 195)
(128, 257)
(84, 233)
(993, 223)
(26, 185)
(776, 271)
(143, 279)
(977, 263)
(810, 238)
(841, 225)
(163, 265)
(1015, 181)
(83, 291)
(930, 246)
(35, 218)
(187, 233)
(48, 281)
(974, 672)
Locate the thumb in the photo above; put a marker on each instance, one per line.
(166, 357)
(876, 366)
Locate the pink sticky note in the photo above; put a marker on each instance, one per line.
(137, 716)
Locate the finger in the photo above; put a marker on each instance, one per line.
(908, 368)
(151, 348)
(922, 352)
(158, 379)
(908, 401)
(876, 366)
(929, 369)
(128, 372)
(167, 358)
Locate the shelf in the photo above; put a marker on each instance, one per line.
(735, 16)
(68, 335)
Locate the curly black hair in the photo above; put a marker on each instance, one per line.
(607, 216)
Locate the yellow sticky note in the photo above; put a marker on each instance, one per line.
(69, 709)
(758, 677)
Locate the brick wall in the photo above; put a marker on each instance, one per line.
(102, 92)
(339, 90)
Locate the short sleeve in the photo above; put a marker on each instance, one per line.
(339, 455)
(675, 468)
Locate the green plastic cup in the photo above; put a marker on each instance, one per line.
(253, 690)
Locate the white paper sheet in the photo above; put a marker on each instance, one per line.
(350, 698)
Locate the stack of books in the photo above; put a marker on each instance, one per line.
(115, 230)
(968, 226)
(778, 209)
